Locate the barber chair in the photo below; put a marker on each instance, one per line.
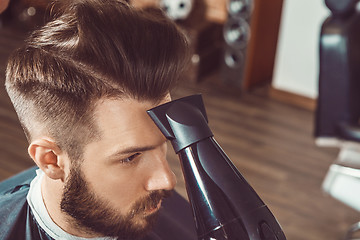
(338, 111)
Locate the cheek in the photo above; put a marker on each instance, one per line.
(120, 187)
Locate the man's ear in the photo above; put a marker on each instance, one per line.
(48, 156)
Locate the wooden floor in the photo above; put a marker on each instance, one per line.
(271, 143)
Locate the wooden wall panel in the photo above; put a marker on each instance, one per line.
(264, 26)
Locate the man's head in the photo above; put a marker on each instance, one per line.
(81, 85)
(87, 51)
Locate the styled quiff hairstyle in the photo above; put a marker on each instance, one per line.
(89, 50)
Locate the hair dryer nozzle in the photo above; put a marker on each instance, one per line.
(182, 121)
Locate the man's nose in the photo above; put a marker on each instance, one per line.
(161, 177)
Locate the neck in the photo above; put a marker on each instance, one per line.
(51, 193)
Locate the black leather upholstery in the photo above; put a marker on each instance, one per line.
(338, 110)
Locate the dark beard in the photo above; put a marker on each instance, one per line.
(92, 215)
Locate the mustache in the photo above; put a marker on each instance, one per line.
(149, 202)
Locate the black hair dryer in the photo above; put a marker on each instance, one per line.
(224, 205)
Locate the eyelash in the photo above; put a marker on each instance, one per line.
(129, 160)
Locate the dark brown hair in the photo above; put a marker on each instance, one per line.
(91, 49)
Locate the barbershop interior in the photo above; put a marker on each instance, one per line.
(280, 83)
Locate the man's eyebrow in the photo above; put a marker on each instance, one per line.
(134, 149)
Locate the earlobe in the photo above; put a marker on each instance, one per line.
(47, 155)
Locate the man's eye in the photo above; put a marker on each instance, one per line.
(130, 159)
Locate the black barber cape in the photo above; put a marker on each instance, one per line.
(17, 222)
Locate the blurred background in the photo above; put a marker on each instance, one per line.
(257, 64)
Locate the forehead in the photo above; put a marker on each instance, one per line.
(125, 121)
